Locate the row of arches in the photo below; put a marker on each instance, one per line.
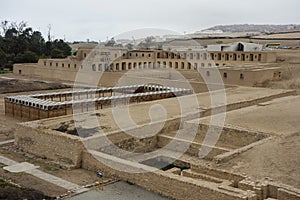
(122, 66)
(167, 55)
(236, 57)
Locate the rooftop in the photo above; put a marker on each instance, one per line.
(42, 102)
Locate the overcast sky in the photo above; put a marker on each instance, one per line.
(97, 20)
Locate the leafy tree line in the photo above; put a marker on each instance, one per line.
(19, 43)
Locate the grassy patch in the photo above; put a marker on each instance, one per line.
(4, 184)
(5, 72)
(52, 169)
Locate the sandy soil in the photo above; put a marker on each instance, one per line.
(12, 192)
(14, 85)
(279, 117)
(31, 182)
(285, 35)
(257, 41)
(277, 159)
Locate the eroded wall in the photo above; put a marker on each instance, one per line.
(61, 148)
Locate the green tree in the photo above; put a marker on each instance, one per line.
(57, 53)
(20, 43)
(62, 46)
(37, 43)
(11, 42)
(3, 59)
(27, 57)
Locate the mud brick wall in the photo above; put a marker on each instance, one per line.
(192, 147)
(165, 183)
(58, 147)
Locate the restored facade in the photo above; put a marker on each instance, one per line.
(105, 59)
(239, 57)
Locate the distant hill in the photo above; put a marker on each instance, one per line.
(263, 28)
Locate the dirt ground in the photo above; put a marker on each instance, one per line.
(205, 41)
(278, 159)
(30, 182)
(284, 35)
(10, 191)
(14, 85)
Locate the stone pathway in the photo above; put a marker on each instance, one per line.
(7, 161)
(53, 179)
(6, 142)
(20, 167)
(7, 78)
(42, 175)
